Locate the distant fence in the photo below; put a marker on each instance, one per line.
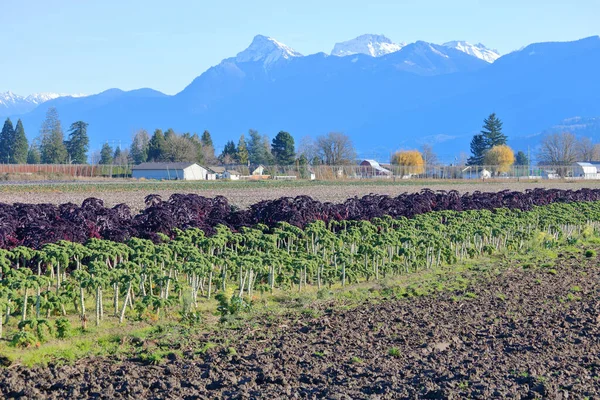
(396, 172)
(74, 170)
(328, 172)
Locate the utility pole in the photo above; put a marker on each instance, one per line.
(528, 162)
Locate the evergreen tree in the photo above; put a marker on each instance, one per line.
(169, 134)
(283, 149)
(491, 135)
(33, 155)
(19, 146)
(117, 153)
(229, 153)
(78, 143)
(243, 156)
(52, 148)
(268, 158)
(6, 137)
(106, 154)
(492, 132)
(197, 142)
(521, 158)
(303, 167)
(259, 149)
(156, 146)
(207, 139)
(139, 147)
(208, 150)
(478, 149)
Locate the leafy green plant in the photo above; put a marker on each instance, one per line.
(394, 352)
(590, 254)
(23, 339)
(63, 328)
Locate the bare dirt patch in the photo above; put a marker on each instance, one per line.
(519, 334)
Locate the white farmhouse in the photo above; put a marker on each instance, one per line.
(187, 171)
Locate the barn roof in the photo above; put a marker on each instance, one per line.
(374, 164)
(151, 166)
(216, 169)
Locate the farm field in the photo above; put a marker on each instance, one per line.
(498, 328)
(423, 295)
(243, 194)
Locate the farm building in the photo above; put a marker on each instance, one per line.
(215, 172)
(231, 175)
(371, 168)
(257, 170)
(474, 173)
(585, 170)
(187, 171)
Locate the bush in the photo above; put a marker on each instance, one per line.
(23, 339)
(590, 254)
(63, 328)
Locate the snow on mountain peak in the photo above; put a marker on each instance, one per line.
(477, 50)
(14, 104)
(266, 49)
(372, 45)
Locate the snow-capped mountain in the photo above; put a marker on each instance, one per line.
(267, 50)
(372, 45)
(477, 50)
(14, 104)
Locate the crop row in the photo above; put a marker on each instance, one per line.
(33, 225)
(141, 279)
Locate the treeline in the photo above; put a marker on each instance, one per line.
(489, 148)
(332, 149)
(50, 147)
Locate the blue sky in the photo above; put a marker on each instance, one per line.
(87, 46)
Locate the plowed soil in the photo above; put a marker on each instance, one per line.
(244, 196)
(523, 334)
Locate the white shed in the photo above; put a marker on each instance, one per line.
(231, 175)
(187, 171)
(215, 172)
(257, 169)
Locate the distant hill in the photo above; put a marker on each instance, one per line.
(421, 93)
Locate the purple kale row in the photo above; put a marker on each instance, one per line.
(33, 225)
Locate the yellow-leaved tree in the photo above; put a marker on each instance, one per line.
(500, 158)
(412, 160)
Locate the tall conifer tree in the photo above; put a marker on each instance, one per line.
(6, 137)
(78, 143)
(492, 132)
(283, 149)
(156, 146)
(52, 148)
(242, 151)
(19, 145)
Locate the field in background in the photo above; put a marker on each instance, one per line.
(243, 194)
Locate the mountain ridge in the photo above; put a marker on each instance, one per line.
(384, 103)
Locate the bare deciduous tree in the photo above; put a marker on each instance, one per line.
(429, 157)
(558, 149)
(307, 147)
(122, 158)
(180, 149)
(586, 150)
(335, 149)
